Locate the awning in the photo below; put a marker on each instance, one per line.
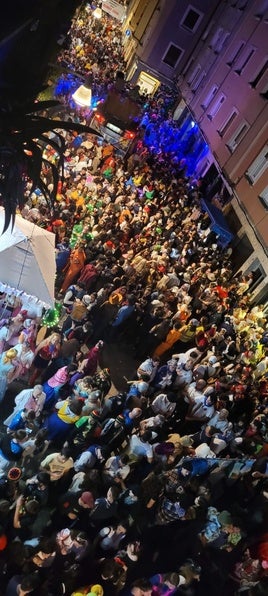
(218, 223)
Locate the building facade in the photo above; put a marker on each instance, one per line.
(216, 54)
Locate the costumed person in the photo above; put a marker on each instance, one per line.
(24, 360)
(172, 337)
(47, 350)
(88, 275)
(165, 375)
(60, 423)
(54, 384)
(15, 327)
(7, 367)
(29, 399)
(28, 333)
(76, 264)
(89, 364)
(4, 331)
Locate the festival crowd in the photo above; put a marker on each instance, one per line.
(161, 485)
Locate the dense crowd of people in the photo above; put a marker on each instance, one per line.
(161, 485)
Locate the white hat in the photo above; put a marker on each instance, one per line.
(212, 359)
(86, 299)
(203, 450)
(142, 386)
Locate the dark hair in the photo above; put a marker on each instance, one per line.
(143, 584)
(29, 582)
(187, 465)
(108, 568)
(47, 545)
(76, 406)
(124, 458)
(43, 477)
(115, 491)
(147, 436)
(32, 506)
(66, 452)
(20, 435)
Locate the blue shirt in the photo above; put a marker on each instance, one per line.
(123, 314)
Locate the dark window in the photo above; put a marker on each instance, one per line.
(260, 74)
(172, 56)
(227, 123)
(236, 53)
(191, 19)
(244, 61)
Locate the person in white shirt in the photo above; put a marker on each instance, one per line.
(148, 368)
(140, 447)
(200, 404)
(163, 405)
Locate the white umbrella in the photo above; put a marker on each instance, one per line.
(27, 258)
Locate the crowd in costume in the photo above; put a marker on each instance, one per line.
(161, 485)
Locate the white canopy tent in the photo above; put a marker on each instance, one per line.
(27, 259)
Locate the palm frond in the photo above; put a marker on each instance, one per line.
(23, 137)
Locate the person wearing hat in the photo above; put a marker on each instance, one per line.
(53, 385)
(80, 309)
(75, 506)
